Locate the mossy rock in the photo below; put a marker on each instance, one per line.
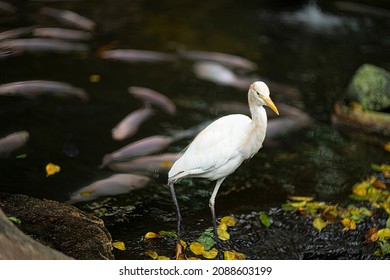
(370, 86)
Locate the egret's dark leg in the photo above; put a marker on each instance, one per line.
(212, 207)
(172, 189)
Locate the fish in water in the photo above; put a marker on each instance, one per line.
(40, 87)
(44, 45)
(221, 58)
(130, 55)
(62, 33)
(10, 52)
(131, 123)
(154, 98)
(7, 8)
(219, 74)
(70, 18)
(12, 142)
(111, 186)
(147, 165)
(16, 32)
(145, 146)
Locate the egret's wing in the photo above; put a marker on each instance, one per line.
(213, 146)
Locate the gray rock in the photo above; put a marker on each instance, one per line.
(15, 245)
(60, 226)
(370, 86)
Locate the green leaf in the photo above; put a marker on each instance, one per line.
(388, 223)
(22, 156)
(168, 233)
(265, 219)
(376, 167)
(15, 220)
(207, 239)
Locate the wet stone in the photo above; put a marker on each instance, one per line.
(60, 226)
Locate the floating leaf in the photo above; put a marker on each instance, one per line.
(196, 248)
(348, 224)
(52, 169)
(222, 232)
(152, 254)
(300, 198)
(87, 192)
(207, 239)
(211, 254)
(230, 221)
(152, 235)
(22, 156)
(15, 220)
(166, 164)
(319, 223)
(264, 219)
(94, 78)
(386, 146)
(119, 245)
(193, 259)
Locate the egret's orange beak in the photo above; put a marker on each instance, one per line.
(270, 104)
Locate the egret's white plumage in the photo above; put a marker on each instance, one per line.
(221, 147)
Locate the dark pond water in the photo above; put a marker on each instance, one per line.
(313, 48)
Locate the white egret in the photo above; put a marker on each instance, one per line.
(219, 149)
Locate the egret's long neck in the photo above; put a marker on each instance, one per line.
(259, 123)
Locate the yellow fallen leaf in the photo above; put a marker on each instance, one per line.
(94, 78)
(319, 223)
(371, 235)
(230, 221)
(387, 146)
(222, 232)
(348, 224)
(52, 169)
(196, 248)
(384, 234)
(119, 245)
(193, 259)
(300, 198)
(360, 189)
(166, 164)
(211, 254)
(386, 207)
(233, 255)
(152, 235)
(379, 184)
(152, 254)
(164, 258)
(87, 192)
(183, 243)
(180, 250)
(330, 213)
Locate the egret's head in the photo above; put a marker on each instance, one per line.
(259, 95)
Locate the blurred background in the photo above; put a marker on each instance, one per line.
(307, 51)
